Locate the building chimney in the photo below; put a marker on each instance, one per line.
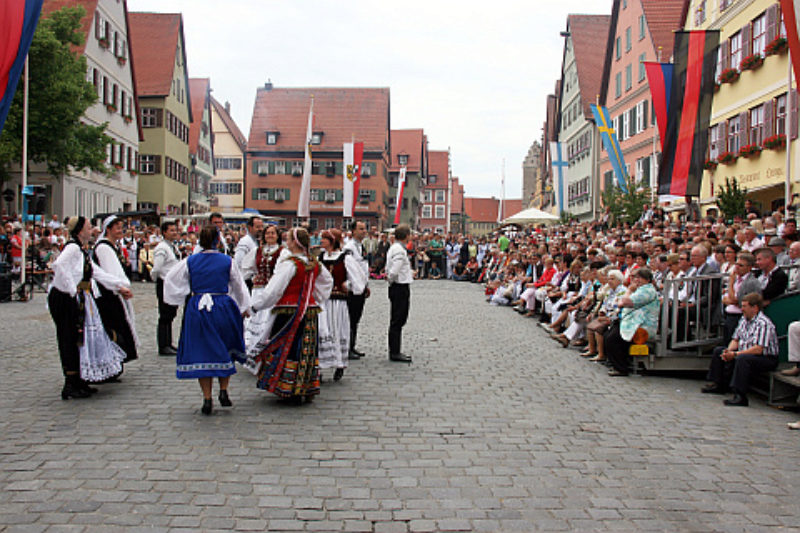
(228, 107)
(268, 85)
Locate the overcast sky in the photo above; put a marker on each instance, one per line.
(474, 75)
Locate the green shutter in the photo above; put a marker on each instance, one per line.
(372, 195)
(271, 167)
(287, 193)
(339, 195)
(255, 167)
(255, 193)
(340, 168)
(270, 194)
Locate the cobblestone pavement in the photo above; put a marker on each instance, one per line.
(492, 428)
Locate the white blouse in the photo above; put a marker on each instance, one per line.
(177, 286)
(249, 268)
(284, 272)
(107, 258)
(356, 279)
(68, 272)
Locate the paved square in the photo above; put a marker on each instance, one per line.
(494, 427)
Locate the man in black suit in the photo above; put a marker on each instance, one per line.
(773, 279)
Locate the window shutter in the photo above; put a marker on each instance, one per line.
(254, 193)
(372, 196)
(634, 129)
(339, 168)
(769, 118)
(645, 107)
(772, 22)
(286, 193)
(98, 26)
(793, 107)
(159, 118)
(725, 50)
(746, 44)
(157, 164)
(339, 195)
(255, 167)
(744, 128)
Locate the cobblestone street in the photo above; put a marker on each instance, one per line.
(494, 427)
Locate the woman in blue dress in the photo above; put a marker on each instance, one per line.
(212, 327)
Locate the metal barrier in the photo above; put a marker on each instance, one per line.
(691, 315)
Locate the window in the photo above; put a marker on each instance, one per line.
(617, 48)
(628, 77)
(439, 211)
(272, 137)
(736, 50)
(641, 27)
(628, 39)
(426, 211)
(297, 168)
(718, 71)
(618, 85)
(733, 135)
(714, 142)
(432, 179)
(440, 196)
(225, 188)
(642, 72)
(641, 116)
(427, 196)
(147, 164)
(280, 167)
(700, 13)
(626, 127)
(150, 117)
(757, 125)
(228, 163)
(780, 114)
(759, 34)
(316, 137)
(262, 168)
(402, 160)
(329, 223)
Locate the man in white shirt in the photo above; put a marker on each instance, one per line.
(165, 257)
(54, 223)
(248, 243)
(399, 275)
(356, 300)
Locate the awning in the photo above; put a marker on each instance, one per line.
(531, 216)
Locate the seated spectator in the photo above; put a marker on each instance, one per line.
(753, 348)
(639, 309)
(603, 316)
(434, 271)
(794, 273)
(741, 282)
(773, 279)
(793, 333)
(472, 268)
(459, 272)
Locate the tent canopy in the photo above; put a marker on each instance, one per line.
(531, 216)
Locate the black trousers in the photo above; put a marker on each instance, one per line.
(166, 314)
(355, 308)
(399, 296)
(617, 349)
(65, 311)
(737, 372)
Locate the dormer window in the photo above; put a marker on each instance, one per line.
(272, 137)
(316, 137)
(402, 159)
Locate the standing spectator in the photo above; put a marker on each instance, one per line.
(357, 292)
(398, 273)
(16, 249)
(165, 257)
(436, 250)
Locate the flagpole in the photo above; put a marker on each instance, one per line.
(787, 187)
(24, 179)
(502, 192)
(449, 190)
(654, 175)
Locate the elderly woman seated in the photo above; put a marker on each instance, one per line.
(604, 314)
(639, 308)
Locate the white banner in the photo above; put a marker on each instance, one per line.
(348, 177)
(303, 209)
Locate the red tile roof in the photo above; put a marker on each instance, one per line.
(662, 17)
(485, 209)
(342, 114)
(589, 34)
(230, 124)
(438, 165)
(199, 88)
(90, 6)
(154, 41)
(410, 143)
(457, 199)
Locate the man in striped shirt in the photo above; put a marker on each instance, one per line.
(753, 348)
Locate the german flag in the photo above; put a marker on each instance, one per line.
(690, 95)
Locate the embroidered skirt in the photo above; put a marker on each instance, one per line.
(293, 370)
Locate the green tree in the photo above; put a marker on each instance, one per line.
(59, 96)
(730, 198)
(626, 206)
(565, 217)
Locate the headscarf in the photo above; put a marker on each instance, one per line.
(75, 225)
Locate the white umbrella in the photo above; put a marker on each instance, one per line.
(531, 216)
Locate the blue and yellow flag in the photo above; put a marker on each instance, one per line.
(611, 144)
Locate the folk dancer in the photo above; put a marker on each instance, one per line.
(116, 308)
(165, 257)
(87, 354)
(356, 296)
(246, 245)
(300, 284)
(399, 275)
(334, 319)
(212, 324)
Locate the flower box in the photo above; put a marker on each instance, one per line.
(122, 60)
(128, 119)
(777, 46)
(752, 62)
(710, 165)
(104, 43)
(118, 166)
(133, 172)
(750, 150)
(727, 158)
(111, 108)
(729, 75)
(716, 86)
(775, 142)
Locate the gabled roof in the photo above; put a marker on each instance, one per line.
(341, 114)
(589, 33)
(230, 124)
(49, 6)
(485, 209)
(154, 42)
(439, 165)
(662, 18)
(410, 143)
(200, 89)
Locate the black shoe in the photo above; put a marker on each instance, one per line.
(353, 355)
(358, 352)
(73, 389)
(224, 400)
(168, 350)
(400, 357)
(85, 386)
(713, 388)
(737, 400)
(206, 409)
(338, 374)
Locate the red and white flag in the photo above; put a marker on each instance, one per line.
(790, 11)
(303, 207)
(401, 186)
(353, 157)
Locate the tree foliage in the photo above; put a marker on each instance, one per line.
(59, 96)
(730, 198)
(626, 206)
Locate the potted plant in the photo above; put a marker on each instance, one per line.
(727, 158)
(775, 142)
(749, 150)
(121, 60)
(710, 165)
(729, 75)
(133, 172)
(104, 42)
(777, 46)
(118, 166)
(752, 62)
(111, 108)
(127, 119)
